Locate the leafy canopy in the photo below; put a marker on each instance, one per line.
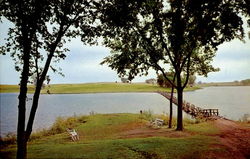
(48, 24)
(182, 35)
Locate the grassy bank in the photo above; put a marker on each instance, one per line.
(91, 88)
(124, 136)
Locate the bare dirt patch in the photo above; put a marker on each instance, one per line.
(234, 138)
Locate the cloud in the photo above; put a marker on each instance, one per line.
(231, 69)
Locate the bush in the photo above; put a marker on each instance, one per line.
(162, 82)
(9, 139)
(147, 115)
(246, 82)
(60, 126)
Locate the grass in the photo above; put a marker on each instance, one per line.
(101, 138)
(155, 147)
(13, 88)
(92, 88)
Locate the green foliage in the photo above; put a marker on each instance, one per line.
(9, 139)
(60, 126)
(181, 34)
(163, 82)
(42, 28)
(191, 80)
(246, 82)
(169, 33)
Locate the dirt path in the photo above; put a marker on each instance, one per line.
(150, 132)
(235, 138)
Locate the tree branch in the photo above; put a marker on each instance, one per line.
(188, 72)
(150, 53)
(160, 30)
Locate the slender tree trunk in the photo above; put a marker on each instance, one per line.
(179, 108)
(33, 112)
(36, 97)
(21, 139)
(171, 108)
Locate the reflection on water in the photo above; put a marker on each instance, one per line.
(232, 102)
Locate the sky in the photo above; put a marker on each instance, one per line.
(82, 64)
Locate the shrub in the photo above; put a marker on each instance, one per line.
(147, 115)
(61, 124)
(9, 139)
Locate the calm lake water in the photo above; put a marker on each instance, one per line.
(232, 102)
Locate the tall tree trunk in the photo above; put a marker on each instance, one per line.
(37, 95)
(179, 108)
(171, 108)
(33, 112)
(179, 111)
(21, 139)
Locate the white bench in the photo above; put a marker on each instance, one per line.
(73, 134)
(157, 122)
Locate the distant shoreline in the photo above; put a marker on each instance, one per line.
(93, 88)
(108, 87)
(235, 83)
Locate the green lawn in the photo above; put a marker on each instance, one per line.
(101, 138)
(92, 88)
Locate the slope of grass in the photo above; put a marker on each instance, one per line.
(155, 147)
(138, 148)
(14, 88)
(100, 138)
(92, 88)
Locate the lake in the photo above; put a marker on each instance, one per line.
(232, 102)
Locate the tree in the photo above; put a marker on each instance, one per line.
(172, 77)
(124, 80)
(171, 105)
(150, 81)
(245, 82)
(191, 80)
(161, 80)
(41, 28)
(181, 34)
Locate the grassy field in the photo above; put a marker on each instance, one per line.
(107, 136)
(91, 88)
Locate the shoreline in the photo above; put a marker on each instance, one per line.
(94, 88)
